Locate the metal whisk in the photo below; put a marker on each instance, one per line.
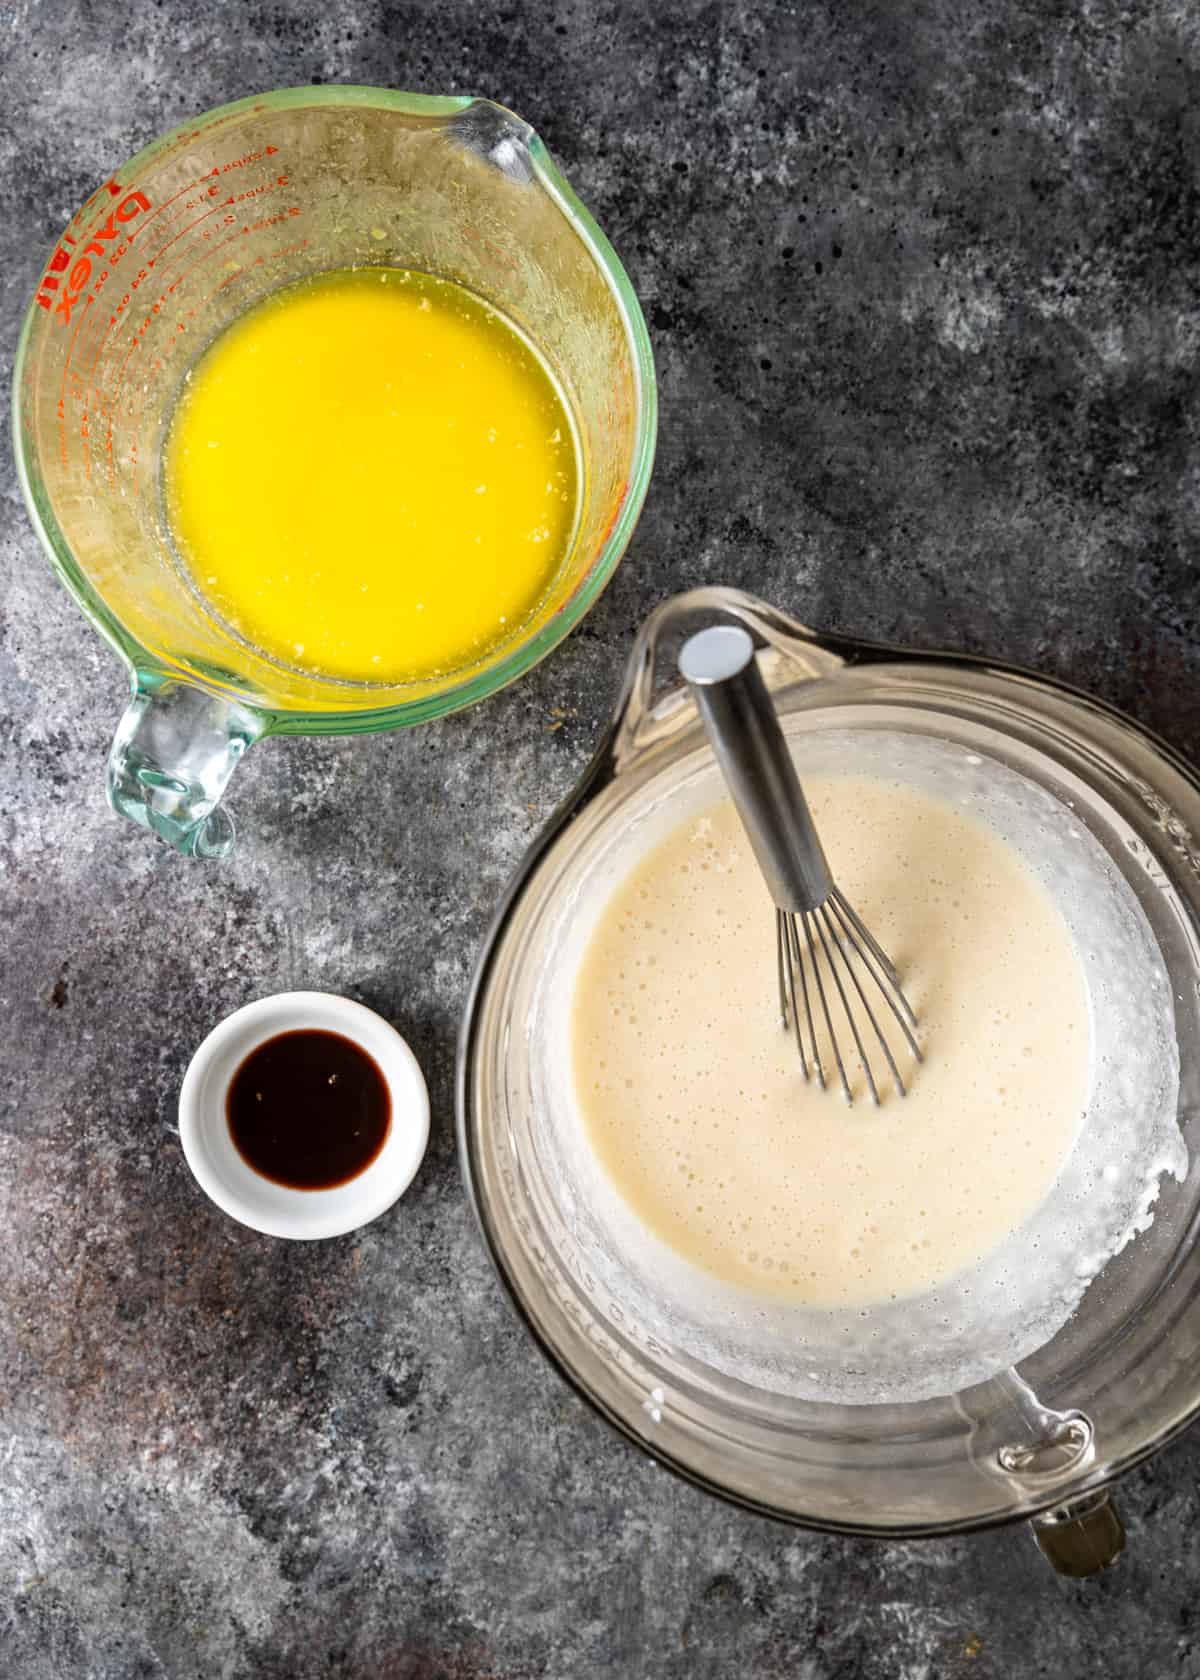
(825, 955)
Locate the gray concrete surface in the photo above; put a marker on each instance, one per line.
(922, 282)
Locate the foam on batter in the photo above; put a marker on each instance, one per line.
(694, 1097)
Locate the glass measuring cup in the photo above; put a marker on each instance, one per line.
(1038, 1440)
(186, 237)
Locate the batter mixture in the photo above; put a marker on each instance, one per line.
(691, 1090)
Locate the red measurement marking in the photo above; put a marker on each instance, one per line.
(157, 257)
(134, 344)
(83, 349)
(108, 242)
(62, 259)
(150, 383)
(126, 301)
(108, 408)
(256, 192)
(62, 394)
(134, 416)
(182, 141)
(498, 255)
(183, 210)
(65, 281)
(617, 506)
(208, 183)
(173, 222)
(57, 266)
(89, 387)
(208, 252)
(68, 280)
(206, 255)
(112, 187)
(78, 392)
(135, 421)
(220, 286)
(93, 386)
(95, 399)
(90, 380)
(165, 205)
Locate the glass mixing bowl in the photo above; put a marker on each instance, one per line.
(1040, 1441)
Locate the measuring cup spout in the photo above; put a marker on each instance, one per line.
(497, 134)
(174, 751)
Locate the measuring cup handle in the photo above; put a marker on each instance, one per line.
(174, 751)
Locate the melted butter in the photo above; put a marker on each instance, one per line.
(372, 476)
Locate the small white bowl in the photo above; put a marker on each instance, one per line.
(274, 1209)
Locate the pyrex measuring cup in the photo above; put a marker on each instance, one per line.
(190, 234)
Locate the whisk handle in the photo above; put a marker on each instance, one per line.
(719, 667)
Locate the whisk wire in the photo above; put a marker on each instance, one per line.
(783, 957)
(830, 943)
(834, 932)
(787, 957)
(782, 973)
(834, 1045)
(868, 1011)
(889, 985)
(799, 968)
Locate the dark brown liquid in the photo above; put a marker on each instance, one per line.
(309, 1110)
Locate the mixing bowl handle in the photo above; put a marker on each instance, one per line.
(174, 751)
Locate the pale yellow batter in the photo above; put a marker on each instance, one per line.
(692, 1094)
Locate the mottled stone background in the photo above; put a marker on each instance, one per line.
(922, 281)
